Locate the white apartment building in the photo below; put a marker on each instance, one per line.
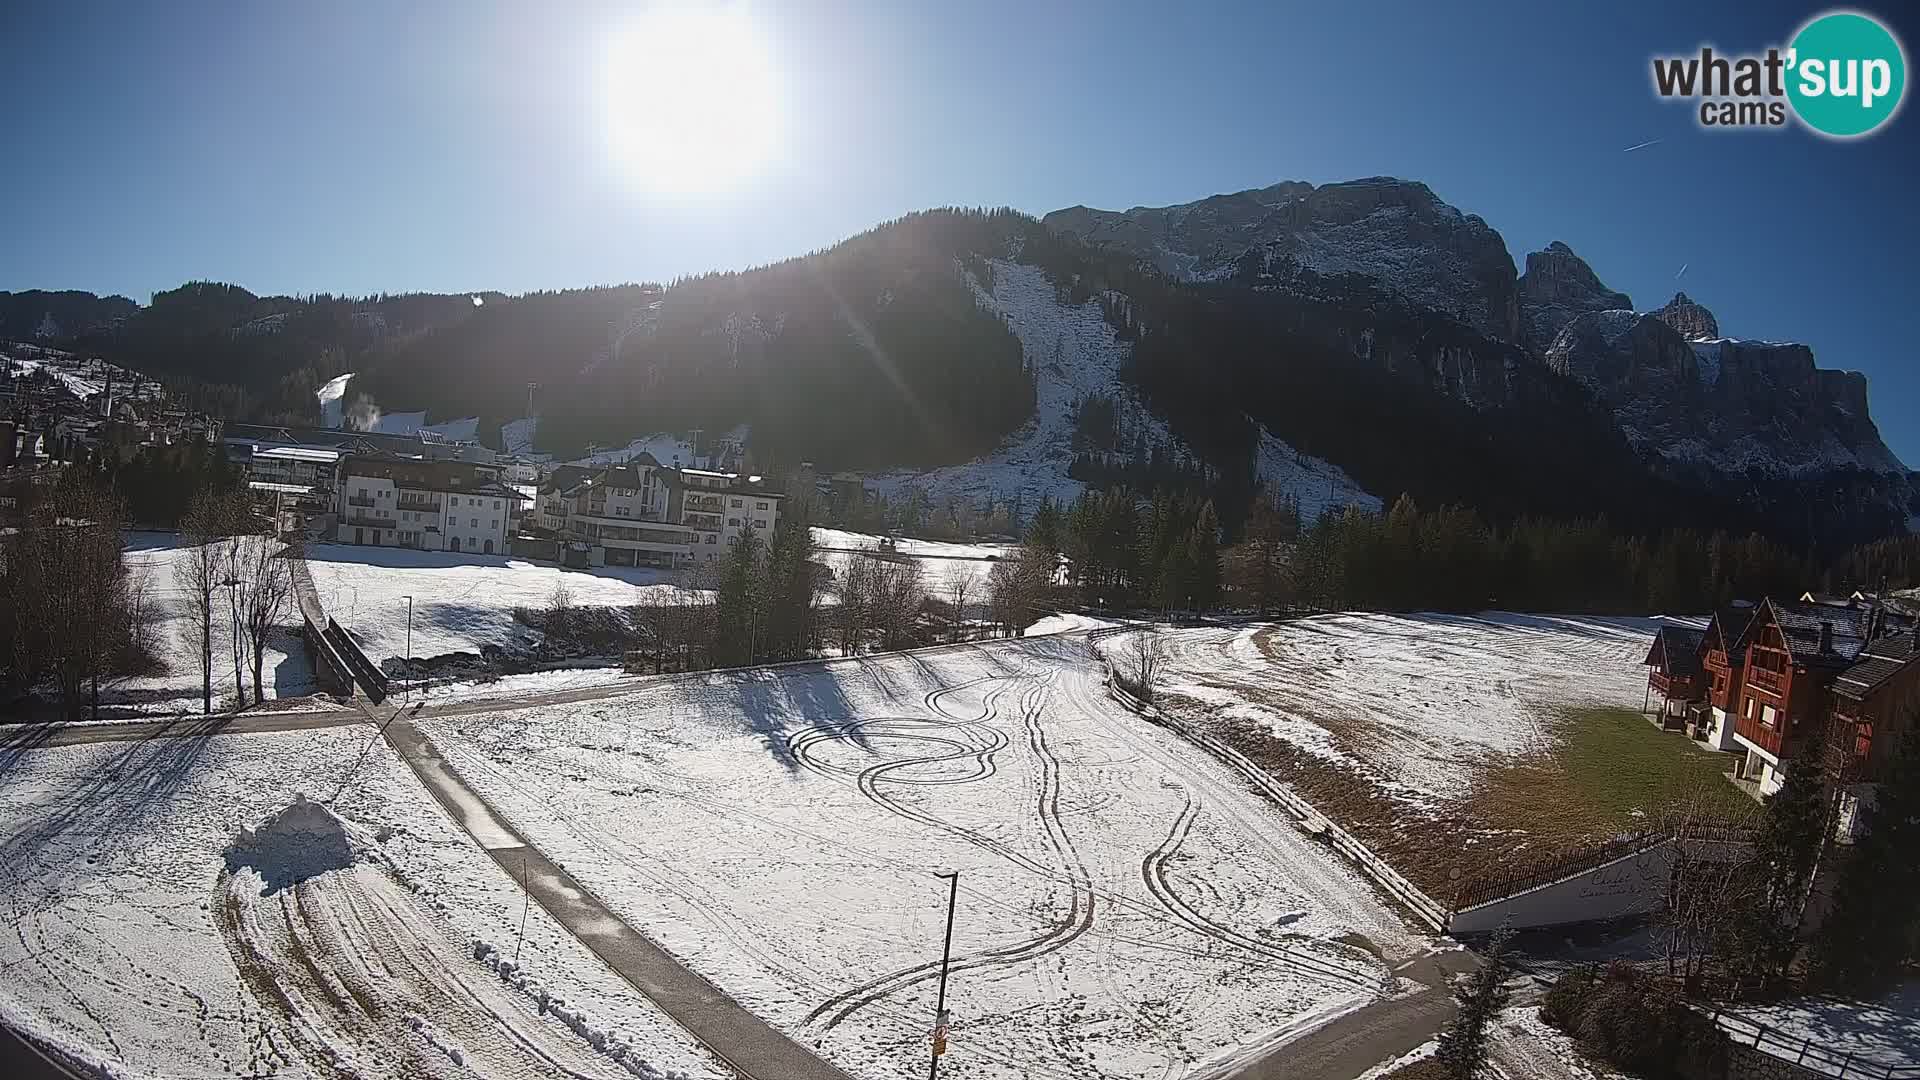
(427, 505)
(642, 513)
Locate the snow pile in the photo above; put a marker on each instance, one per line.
(623, 1050)
(302, 840)
(333, 400)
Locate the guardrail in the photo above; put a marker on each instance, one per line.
(364, 672)
(1424, 907)
(1806, 1053)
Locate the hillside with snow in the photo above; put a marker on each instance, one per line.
(1076, 354)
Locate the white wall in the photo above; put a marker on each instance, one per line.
(1630, 885)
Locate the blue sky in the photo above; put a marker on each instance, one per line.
(354, 147)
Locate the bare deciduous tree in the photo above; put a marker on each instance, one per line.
(197, 574)
(959, 587)
(1139, 664)
(265, 594)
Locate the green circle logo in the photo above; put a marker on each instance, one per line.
(1846, 74)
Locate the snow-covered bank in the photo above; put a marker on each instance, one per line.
(128, 944)
(153, 556)
(1126, 908)
(461, 603)
(1411, 699)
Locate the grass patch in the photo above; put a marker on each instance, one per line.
(1611, 772)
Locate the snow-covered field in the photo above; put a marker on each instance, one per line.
(286, 672)
(128, 947)
(1414, 701)
(460, 602)
(1126, 908)
(1873, 1035)
(943, 565)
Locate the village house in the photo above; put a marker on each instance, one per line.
(1723, 654)
(1675, 673)
(392, 501)
(1875, 705)
(642, 513)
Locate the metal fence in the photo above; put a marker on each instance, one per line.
(1806, 1053)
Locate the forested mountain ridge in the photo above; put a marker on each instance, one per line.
(896, 350)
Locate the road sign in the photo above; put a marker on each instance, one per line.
(940, 1034)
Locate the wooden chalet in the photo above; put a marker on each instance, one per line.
(1797, 652)
(1723, 653)
(1674, 673)
(1876, 704)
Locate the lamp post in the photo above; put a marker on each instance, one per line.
(409, 646)
(946, 958)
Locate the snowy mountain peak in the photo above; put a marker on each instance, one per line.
(1695, 323)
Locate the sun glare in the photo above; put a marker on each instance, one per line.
(691, 98)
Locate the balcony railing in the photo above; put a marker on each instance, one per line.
(430, 506)
(355, 500)
(705, 502)
(1772, 682)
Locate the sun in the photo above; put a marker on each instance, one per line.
(691, 98)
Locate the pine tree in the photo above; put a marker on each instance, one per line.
(1203, 559)
(738, 615)
(1874, 927)
(1462, 1054)
(1760, 941)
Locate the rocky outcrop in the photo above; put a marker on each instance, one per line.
(1752, 418)
(1558, 287)
(1694, 322)
(1395, 233)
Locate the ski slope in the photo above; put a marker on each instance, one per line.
(1126, 908)
(144, 942)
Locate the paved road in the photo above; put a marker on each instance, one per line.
(23, 1060)
(753, 1047)
(21, 737)
(1358, 1041)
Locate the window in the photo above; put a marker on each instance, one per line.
(473, 523)
(496, 504)
(737, 503)
(1769, 715)
(733, 523)
(710, 539)
(494, 524)
(761, 505)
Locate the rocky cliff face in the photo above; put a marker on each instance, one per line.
(1693, 322)
(1557, 288)
(1396, 233)
(1755, 418)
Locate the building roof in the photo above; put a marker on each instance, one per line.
(315, 454)
(1678, 647)
(1806, 626)
(1880, 660)
(464, 477)
(1728, 628)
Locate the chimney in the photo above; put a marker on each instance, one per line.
(1826, 637)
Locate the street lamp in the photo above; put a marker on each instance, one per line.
(409, 646)
(946, 958)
